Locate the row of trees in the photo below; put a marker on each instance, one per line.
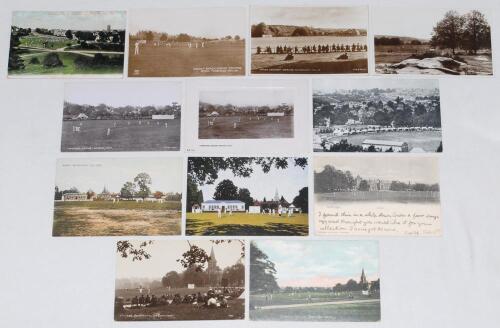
(103, 111)
(206, 109)
(232, 276)
(181, 37)
(260, 29)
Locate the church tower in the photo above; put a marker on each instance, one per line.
(213, 271)
(276, 196)
(363, 282)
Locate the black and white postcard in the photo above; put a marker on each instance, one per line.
(163, 280)
(67, 43)
(432, 41)
(118, 116)
(377, 195)
(118, 197)
(309, 40)
(306, 280)
(377, 115)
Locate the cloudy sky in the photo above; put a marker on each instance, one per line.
(321, 263)
(123, 93)
(396, 21)
(85, 174)
(329, 85)
(248, 96)
(414, 169)
(73, 20)
(209, 22)
(164, 255)
(321, 17)
(288, 182)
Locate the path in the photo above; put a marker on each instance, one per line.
(287, 306)
(88, 53)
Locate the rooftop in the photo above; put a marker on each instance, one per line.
(211, 201)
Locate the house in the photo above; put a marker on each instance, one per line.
(385, 145)
(81, 116)
(223, 205)
(162, 117)
(74, 196)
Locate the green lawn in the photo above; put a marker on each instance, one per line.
(53, 42)
(242, 224)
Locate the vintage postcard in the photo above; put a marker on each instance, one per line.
(247, 196)
(118, 197)
(311, 280)
(162, 280)
(247, 116)
(432, 41)
(67, 43)
(309, 40)
(177, 42)
(118, 116)
(377, 195)
(377, 115)
(244, 113)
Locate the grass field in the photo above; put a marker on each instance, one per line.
(427, 140)
(105, 218)
(247, 127)
(243, 224)
(216, 58)
(125, 135)
(52, 42)
(367, 310)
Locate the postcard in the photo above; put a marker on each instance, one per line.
(67, 43)
(118, 197)
(432, 41)
(119, 116)
(247, 196)
(247, 115)
(163, 280)
(377, 195)
(377, 115)
(180, 42)
(311, 280)
(309, 40)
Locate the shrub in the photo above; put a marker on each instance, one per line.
(34, 61)
(52, 60)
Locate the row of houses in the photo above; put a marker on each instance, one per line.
(239, 206)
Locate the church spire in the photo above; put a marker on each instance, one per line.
(363, 280)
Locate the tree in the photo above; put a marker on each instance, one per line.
(237, 37)
(143, 181)
(183, 37)
(171, 279)
(262, 271)
(149, 36)
(52, 60)
(234, 275)
(226, 190)
(128, 190)
(302, 200)
(300, 31)
(477, 33)
(158, 194)
(258, 30)
(164, 37)
(69, 34)
(449, 31)
(245, 196)
(90, 194)
(364, 186)
(138, 252)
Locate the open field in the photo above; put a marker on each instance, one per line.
(51, 41)
(427, 140)
(322, 306)
(216, 58)
(247, 127)
(243, 224)
(105, 218)
(125, 135)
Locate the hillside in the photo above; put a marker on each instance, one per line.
(293, 30)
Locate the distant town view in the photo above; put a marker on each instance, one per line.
(378, 118)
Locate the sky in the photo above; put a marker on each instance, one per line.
(320, 17)
(396, 21)
(321, 263)
(209, 22)
(260, 184)
(85, 174)
(73, 20)
(410, 168)
(329, 85)
(117, 94)
(249, 96)
(164, 255)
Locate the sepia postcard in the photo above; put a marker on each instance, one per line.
(432, 41)
(226, 196)
(377, 115)
(377, 195)
(118, 116)
(180, 42)
(163, 280)
(309, 40)
(67, 43)
(118, 197)
(311, 280)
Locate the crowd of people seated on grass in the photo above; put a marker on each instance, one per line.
(314, 49)
(213, 298)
